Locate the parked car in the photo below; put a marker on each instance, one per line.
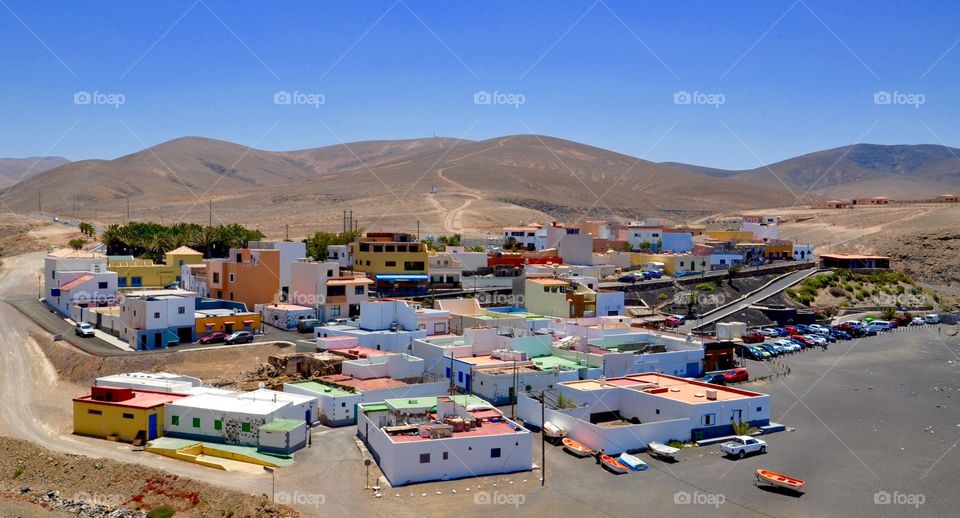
(802, 329)
(628, 278)
(817, 339)
(769, 332)
(789, 345)
(879, 326)
(672, 321)
(918, 321)
(782, 332)
(652, 274)
(741, 445)
(307, 325)
(755, 353)
(791, 330)
(83, 329)
(240, 337)
(752, 337)
(734, 375)
(932, 319)
(770, 349)
(842, 335)
(716, 379)
(213, 338)
(901, 320)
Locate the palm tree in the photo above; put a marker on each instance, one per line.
(76, 244)
(741, 428)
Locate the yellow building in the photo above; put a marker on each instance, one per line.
(674, 263)
(122, 414)
(226, 321)
(396, 262)
(144, 273)
(778, 250)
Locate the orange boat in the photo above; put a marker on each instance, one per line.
(576, 448)
(779, 479)
(613, 464)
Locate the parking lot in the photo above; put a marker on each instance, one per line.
(874, 433)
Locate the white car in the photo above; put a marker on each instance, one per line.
(917, 321)
(819, 340)
(741, 445)
(817, 328)
(769, 332)
(83, 329)
(788, 345)
(932, 319)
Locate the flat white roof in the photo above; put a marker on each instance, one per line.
(271, 395)
(231, 403)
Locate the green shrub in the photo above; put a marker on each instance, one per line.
(705, 287)
(17, 473)
(164, 511)
(662, 296)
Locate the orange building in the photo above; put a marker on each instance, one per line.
(247, 275)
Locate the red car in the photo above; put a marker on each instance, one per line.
(213, 338)
(752, 337)
(672, 322)
(734, 375)
(792, 330)
(806, 341)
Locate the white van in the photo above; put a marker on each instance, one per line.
(932, 319)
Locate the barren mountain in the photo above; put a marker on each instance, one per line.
(13, 170)
(447, 185)
(899, 172)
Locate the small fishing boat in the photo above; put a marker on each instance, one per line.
(779, 479)
(613, 464)
(632, 462)
(576, 448)
(553, 431)
(662, 450)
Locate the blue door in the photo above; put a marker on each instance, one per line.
(307, 418)
(151, 427)
(467, 384)
(448, 372)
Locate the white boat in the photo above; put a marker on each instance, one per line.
(633, 462)
(662, 450)
(553, 431)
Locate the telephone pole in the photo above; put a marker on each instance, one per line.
(210, 213)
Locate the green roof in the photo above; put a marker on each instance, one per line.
(421, 402)
(322, 388)
(375, 407)
(551, 361)
(282, 425)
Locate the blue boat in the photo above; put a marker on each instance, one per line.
(633, 462)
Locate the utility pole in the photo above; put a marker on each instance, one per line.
(39, 203)
(418, 230)
(210, 213)
(287, 232)
(513, 397)
(543, 439)
(128, 209)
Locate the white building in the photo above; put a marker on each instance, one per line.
(153, 381)
(373, 378)
(237, 418)
(803, 252)
(321, 285)
(390, 325)
(283, 316)
(638, 234)
(156, 319)
(423, 439)
(78, 278)
(342, 255)
(645, 408)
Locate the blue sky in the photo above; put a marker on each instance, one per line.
(767, 80)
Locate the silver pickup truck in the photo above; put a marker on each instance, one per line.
(741, 445)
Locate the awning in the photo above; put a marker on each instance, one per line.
(248, 321)
(393, 277)
(230, 323)
(209, 326)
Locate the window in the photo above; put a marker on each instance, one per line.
(424, 458)
(460, 376)
(245, 427)
(102, 285)
(494, 453)
(128, 416)
(364, 247)
(136, 281)
(233, 277)
(94, 412)
(759, 409)
(329, 273)
(343, 404)
(121, 282)
(216, 277)
(658, 411)
(181, 310)
(335, 311)
(440, 327)
(446, 455)
(175, 420)
(217, 424)
(709, 419)
(156, 314)
(378, 249)
(196, 422)
(390, 263)
(413, 266)
(358, 290)
(390, 248)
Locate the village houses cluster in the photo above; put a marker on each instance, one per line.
(420, 381)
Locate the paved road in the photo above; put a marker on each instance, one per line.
(779, 285)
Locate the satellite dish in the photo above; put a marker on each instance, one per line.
(366, 462)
